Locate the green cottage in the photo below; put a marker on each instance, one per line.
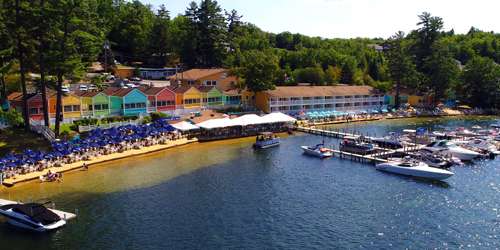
(211, 96)
(94, 104)
(115, 102)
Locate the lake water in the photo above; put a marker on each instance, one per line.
(225, 195)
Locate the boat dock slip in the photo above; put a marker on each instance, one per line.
(61, 214)
(322, 132)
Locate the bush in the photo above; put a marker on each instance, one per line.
(158, 115)
(146, 120)
(12, 117)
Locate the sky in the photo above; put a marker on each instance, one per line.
(354, 18)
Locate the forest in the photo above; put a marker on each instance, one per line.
(59, 39)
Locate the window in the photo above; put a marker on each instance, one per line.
(318, 106)
(357, 104)
(91, 107)
(210, 83)
(135, 105)
(366, 103)
(318, 98)
(328, 97)
(283, 99)
(295, 98)
(68, 108)
(98, 107)
(338, 105)
(33, 111)
(357, 96)
(76, 108)
(339, 97)
(190, 82)
(366, 96)
(191, 101)
(374, 103)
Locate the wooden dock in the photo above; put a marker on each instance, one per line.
(379, 157)
(61, 214)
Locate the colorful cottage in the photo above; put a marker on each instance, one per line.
(211, 96)
(231, 97)
(94, 104)
(131, 102)
(159, 99)
(187, 97)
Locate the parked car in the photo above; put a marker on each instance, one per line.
(130, 85)
(136, 79)
(65, 89)
(92, 87)
(84, 88)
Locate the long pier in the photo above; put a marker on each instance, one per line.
(379, 157)
(61, 214)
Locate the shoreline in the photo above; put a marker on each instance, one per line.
(11, 182)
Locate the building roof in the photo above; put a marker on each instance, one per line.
(122, 92)
(15, 96)
(111, 90)
(196, 74)
(232, 92)
(87, 93)
(152, 90)
(311, 91)
(182, 89)
(206, 89)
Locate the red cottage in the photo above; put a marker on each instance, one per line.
(159, 99)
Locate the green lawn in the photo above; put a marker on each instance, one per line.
(18, 140)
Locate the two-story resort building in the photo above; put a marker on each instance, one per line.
(295, 99)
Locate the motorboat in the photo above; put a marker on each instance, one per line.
(318, 150)
(266, 140)
(356, 146)
(495, 125)
(449, 148)
(390, 141)
(434, 160)
(413, 168)
(32, 216)
(465, 132)
(481, 145)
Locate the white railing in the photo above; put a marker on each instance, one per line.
(86, 128)
(39, 128)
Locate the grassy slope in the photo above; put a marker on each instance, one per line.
(18, 140)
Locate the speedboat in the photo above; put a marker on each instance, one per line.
(318, 150)
(434, 160)
(495, 125)
(449, 148)
(266, 140)
(481, 146)
(390, 141)
(32, 216)
(351, 145)
(413, 168)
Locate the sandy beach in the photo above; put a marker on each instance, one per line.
(105, 158)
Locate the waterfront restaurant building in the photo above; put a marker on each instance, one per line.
(343, 98)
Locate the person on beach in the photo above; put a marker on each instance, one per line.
(85, 167)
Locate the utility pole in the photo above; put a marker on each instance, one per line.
(106, 48)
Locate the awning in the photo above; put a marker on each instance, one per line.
(185, 126)
(277, 117)
(218, 123)
(250, 119)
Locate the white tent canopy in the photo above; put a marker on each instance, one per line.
(217, 123)
(245, 120)
(277, 117)
(251, 119)
(185, 126)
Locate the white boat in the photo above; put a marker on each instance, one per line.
(317, 151)
(414, 168)
(32, 216)
(482, 145)
(495, 125)
(449, 148)
(266, 140)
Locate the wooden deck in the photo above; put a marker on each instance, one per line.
(61, 214)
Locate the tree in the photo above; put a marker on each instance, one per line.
(401, 67)
(258, 70)
(72, 26)
(348, 70)
(332, 75)
(314, 75)
(443, 71)
(481, 83)
(160, 37)
(426, 35)
(210, 30)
